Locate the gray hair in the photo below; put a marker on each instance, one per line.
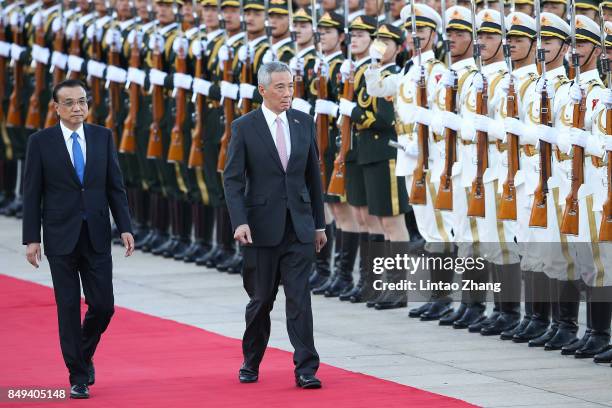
(264, 74)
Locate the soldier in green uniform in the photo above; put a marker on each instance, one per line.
(282, 46)
(556, 7)
(304, 61)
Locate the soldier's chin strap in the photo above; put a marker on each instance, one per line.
(528, 51)
(496, 51)
(590, 55)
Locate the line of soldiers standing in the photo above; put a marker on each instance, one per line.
(406, 112)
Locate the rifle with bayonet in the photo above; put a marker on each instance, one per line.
(114, 91)
(322, 120)
(444, 198)
(570, 220)
(96, 83)
(196, 155)
(58, 72)
(34, 119)
(13, 116)
(476, 200)
(155, 147)
(337, 183)
(3, 73)
(605, 229)
(539, 210)
(176, 151)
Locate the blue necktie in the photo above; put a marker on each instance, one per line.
(77, 156)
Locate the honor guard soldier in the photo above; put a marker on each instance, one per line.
(304, 61)
(556, 7)
(282, 44)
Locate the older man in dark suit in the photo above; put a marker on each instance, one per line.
(274, 196)
(71, 179)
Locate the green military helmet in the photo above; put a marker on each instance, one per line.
(390, 31)
(331, 19)
(365, 23)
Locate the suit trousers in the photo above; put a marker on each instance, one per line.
(264, 267)
(79, 341)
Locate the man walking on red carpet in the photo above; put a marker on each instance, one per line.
(274, 196)
(71, 179)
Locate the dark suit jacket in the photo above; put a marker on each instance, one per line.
(259, 192)
(53, 193)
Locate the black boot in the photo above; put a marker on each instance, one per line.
(140, 214)
(14, 207)
(601, 313)
(174, 229)
(571, 348)
(569, 304)
(227, 249)
(186, 223)
(510, 307)
(162, 223)
(10, 180)
(493, 274)
(441, 301)
(528, 285)
(379, 295)
(455, 315)
(344, 277)
(397, 298)
(203, 228)
(152, 221)
(216, 249)
(540, 305)
(474, 299)
(553, 299)
(363, 261)
(366, 292)
(322, 265)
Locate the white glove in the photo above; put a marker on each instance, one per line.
(156, 40)
(59, 59)
(478, 82)
(229, 90)
(56, 24)
(414, 74)
(37, 19)
(17, 19)
(301, 105)
(157, 77)
(578, 137)
(5, 49)
(608, 143)
(75, 63)
(246, 91)
(606, 98)
(324, 67)
(268, 57)
(422, 115)
(496, 131)
(182, 80)
(297, 65)
(113, 38)
(243, 53)
(550, 89)
(223, 55)
(346, 107)
(201, 86)
(407, 113)
(575, 93)
(411, 148)
(467, 130)
(514, 126)
(40, 54)
(16, 51)
(546, 133)
(95, 69)
(180, 43)
(198, 48)
(448, 78)
(116, 74)
(504, 84)
(93, 29)
(136, 75)
(73, 29)
(139, 37)
(345, 69)
(325, 107)
(483, 123)
(375, 54)
(449, 120)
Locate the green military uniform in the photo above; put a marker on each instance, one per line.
(284, 49)
(307, 58)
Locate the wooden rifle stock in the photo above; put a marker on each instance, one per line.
(34, 118)
(228, 112)
(322, 127)
(570, 220)
(114, 96)
(337, 183)
(58, 76)
(75, 49)
(154, 148)
(444, 198)
(246, 76)
(507, 206)
(96, 92)
(539, 210)
(128, 136)
(418, 191)
(476, 201)
(177, 140)
(196, 154)
(14, 118)
(605, 229)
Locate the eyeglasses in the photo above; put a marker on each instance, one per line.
(71, 102)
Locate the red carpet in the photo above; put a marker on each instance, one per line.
(145, 361)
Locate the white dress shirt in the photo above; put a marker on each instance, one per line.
(68, 139)
(271, 121)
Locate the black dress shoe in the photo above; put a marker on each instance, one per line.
(79, 391)
(597, 343)
(451, 318)
(324, 286)
(509, 333)
(604, 357)
(91, 372)
(199, 250)
(545, 338)
(307, 381)
(316, 279)
(220, 257)
(338, 286)
(472, 315)
(392, 304)
(571, 348)
(418, 311)
(564, 336)
(347, 294)
(437, 310)
(235, 266)
(534, 329)
(247, 375)
(477, 327)
(503, 323)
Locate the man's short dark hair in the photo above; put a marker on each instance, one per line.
(69, 83)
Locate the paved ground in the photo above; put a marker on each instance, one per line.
(385, 344)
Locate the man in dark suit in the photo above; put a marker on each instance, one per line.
(274, 196)
(71, 179)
